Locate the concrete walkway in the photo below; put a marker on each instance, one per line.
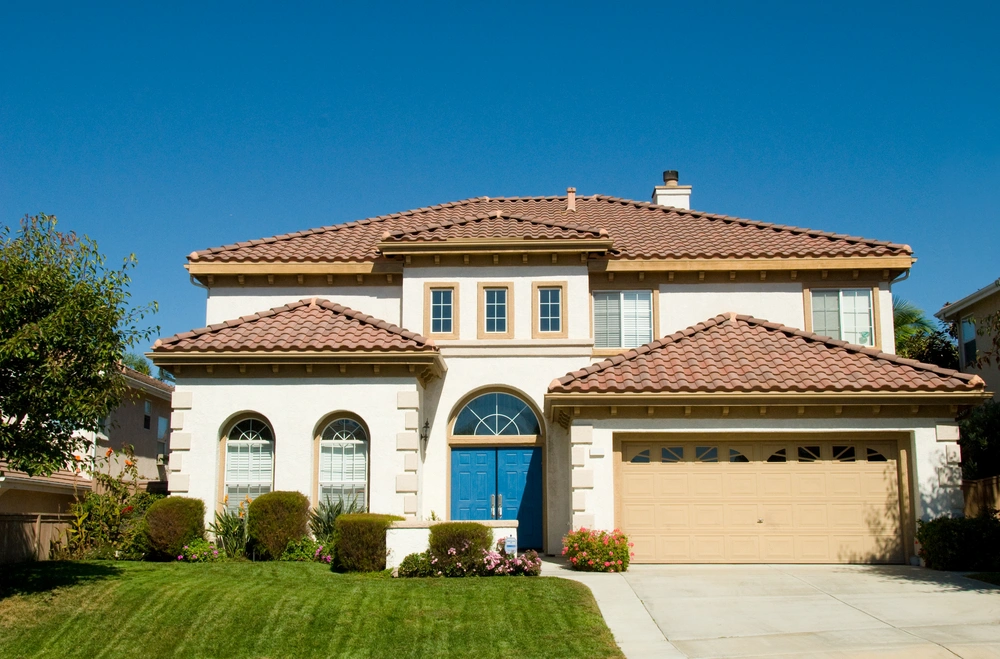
(814, 611)
(634, 630)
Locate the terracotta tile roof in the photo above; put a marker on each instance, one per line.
(494, 225)
(732, 353)
(639, 230)
(165, 387)
(304, 325)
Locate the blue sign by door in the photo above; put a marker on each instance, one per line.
(499, 483)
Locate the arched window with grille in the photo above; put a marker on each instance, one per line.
(249, 461)
(496, 414)
(343, 462)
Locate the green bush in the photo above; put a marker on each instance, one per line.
(458, 547)
(417, 565)
(276, 519)
(172, 523)
(201, 551)
(361, 541)
(597, 551)
(961, 543)
(306, 549)
(980, 441)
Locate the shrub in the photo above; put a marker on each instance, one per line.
(307, 549)
(276, 519)
(323, 520)
(230, 530)
(597, 551)
(417, 565)
(361, 541)
(490, 563)
(961, 543)
(172, 523)
(457, 548)
(498, 563)
(201, 551)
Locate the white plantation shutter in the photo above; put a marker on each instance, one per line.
(607, 320)
(637, 318)
(249, 461)
(343, 465)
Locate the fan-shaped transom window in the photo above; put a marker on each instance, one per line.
(496, 414)
(249, 461)
(343, 462)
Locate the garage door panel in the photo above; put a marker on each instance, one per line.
(833, 506)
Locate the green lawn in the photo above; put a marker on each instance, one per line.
(98, 609)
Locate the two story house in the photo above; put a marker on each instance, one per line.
(723, 390)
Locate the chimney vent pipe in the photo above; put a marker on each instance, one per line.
(670, 177)
(571, 200)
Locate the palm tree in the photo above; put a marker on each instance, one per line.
(909, 320)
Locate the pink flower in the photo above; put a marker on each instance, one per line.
(181, 557)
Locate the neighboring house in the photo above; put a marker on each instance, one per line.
(966, 315)
(142, 420)
(532, 382)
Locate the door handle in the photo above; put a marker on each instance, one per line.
(493, 506)
(499, 506)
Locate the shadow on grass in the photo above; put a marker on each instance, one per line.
(40, 577)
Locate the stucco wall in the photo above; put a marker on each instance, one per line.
(227, 303)
(981, 309)
(937, 476)
(684, 305)
(295, 409)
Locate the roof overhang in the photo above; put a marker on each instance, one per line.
(495, 246)
(428, 363)
(949, 311)
(574, 404)
(893, 264)
(199, 269)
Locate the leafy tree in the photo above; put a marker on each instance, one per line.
(980, 441)
(136, 363)
(917, 338)
(65, 326)
(989, 326)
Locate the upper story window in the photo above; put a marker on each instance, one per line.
(844, 314)
(623, 319)
(549, 310)
(496, 305)
(249, 461)
(968, 336)
(147, 414)
(162, 424)
(441, 310)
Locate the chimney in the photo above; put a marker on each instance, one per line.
(571, 200)
(671, 194)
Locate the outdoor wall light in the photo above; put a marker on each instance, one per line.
(425, 433)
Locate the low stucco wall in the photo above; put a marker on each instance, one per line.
(405, 538)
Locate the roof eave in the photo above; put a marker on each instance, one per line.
(494, 246)
(948, 311)
(892, 264)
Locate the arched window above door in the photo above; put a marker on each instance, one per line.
(496, 414)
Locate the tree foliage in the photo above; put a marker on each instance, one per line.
(137, 363)
(917, 337)
(65, 326)
(980, 441)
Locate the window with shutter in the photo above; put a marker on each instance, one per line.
(249, 461)
(623, 319)
(343, 463)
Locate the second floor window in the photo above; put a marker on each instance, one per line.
(496, 310)
(550, 309)
(968, 340)
(844, 314)
(147, 414)
(442, 310)
(623, 319)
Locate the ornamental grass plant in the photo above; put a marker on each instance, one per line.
(230, 530)
(597, 551)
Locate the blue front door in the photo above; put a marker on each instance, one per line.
(500, 483)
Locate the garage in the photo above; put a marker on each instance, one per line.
(781, 500)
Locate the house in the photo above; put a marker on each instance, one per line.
(142, 420)
(966, 315)
(723, 390)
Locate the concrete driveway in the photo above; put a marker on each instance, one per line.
(818, 611)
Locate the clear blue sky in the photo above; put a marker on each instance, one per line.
(170, 129)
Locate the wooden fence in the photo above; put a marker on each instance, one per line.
(981, 494)
(28, 537)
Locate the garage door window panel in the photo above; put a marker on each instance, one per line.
(706, 453)
(808, 453)
(778, 455)
(844, 453)
(671, 454)
(736, 455)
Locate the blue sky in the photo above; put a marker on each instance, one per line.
(162, 130)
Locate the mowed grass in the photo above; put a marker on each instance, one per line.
(100, 609)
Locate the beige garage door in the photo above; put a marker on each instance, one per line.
(748, 502)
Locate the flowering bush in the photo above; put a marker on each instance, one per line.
(456, 562)
(201, 551)
(597, 551)
(308, 549)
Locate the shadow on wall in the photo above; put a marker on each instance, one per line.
(943, 496)
(884, 524)
(31, 578)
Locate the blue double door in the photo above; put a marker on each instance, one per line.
(499, 483)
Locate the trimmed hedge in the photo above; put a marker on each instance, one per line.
(361, 541)
(276, 519)
(961, 543)
(463, 537)
(172, 523)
